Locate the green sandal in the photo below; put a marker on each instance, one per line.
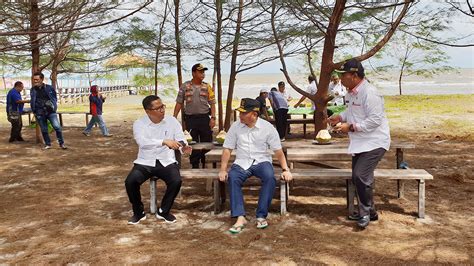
(236, 229)
(262, 223)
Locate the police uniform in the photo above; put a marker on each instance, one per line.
(197, 100)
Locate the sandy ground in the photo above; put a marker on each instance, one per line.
(70, 207)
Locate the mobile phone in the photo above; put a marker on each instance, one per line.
(183, 144)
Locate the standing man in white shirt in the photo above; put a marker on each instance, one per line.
(251, 137)
(369, 135)
(157, 137)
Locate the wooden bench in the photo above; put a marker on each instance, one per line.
(60, 114)
(307, 174)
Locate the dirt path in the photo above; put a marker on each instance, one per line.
(70, 206)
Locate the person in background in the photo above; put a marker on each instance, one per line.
(262, 99)
(311, 89)
(96, 100)
(251, 137)
(44, 104)
(199, 103)
(157, 136)
(280, 111)
(337, 90)
(288, 98)
(14, 110)
(369, 134)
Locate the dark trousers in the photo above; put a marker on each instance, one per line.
(141, 173)
(198, 127)
(15, 133)
(281, 121)
(363, 166)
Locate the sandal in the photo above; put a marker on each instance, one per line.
(236, 229)
(262, 223)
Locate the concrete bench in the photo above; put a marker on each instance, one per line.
(305, 174)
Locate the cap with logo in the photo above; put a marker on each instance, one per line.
(264, 90)
(352, 65)
(249, 105)
(198, 67)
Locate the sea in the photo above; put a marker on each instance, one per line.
(454, 82)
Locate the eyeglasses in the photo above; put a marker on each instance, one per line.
(160, 108)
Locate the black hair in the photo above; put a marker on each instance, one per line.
(18, 83)
(273, 89)
(39, 73)
(281, 83)
(148, 100)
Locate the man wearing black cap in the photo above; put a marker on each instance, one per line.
(197, 98)
(251, 137)
(369, 135)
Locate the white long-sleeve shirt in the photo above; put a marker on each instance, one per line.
(149, 137)
(340, 90)
(365, 110)
(252, 144)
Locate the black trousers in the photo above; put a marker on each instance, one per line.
(198, 127)
(15, 133)
(281, 121)
(363, 166)
(141, 173)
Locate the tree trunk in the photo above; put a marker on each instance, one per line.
(178, 43)
(327, 66)
(35, 45)
(233, 66)
(158, 47)
(217, 63)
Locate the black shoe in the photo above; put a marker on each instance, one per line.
(135, 219)
(195, 166)
(11, 140)
(168, 217)
(356, 217)
(363, 221)
(20, 139)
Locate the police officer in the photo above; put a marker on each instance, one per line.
(198, 99)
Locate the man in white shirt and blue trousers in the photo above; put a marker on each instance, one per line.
(367, 125)
(251, 137)
(157, 136)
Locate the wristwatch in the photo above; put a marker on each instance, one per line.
(285, 170)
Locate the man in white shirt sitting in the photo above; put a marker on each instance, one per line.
(311, 89)
(157, 136)
(251, 137)
(369, 135)
(337, 90)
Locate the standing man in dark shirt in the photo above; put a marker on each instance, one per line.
(15, 104)
(197, 98)
(44, 106)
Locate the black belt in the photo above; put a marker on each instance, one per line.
(198, 116)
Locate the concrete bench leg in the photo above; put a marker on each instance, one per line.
(400, 183)
(217, 197)
(421, 199)
(283, 197)
(152, 195)
(350, 196)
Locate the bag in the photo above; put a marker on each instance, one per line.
(13, 116)
(49, 106)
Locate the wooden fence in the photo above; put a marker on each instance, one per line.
(79, 95)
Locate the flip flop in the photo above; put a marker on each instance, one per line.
(262, 223)
(236, 229)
